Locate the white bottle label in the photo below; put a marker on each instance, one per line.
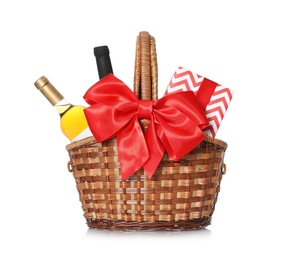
(83, 134)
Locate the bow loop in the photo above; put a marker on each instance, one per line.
(176, 123)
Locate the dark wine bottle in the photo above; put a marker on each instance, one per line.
(103, 61)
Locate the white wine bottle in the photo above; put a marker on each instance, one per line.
(72, 118)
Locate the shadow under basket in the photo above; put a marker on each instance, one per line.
(180, 195)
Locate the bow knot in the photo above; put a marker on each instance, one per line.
(176, 124)
(145, 109)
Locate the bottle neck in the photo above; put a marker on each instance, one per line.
(63, 106)
(53, 95)
(103, 61)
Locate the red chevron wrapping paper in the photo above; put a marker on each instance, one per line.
(184, 80)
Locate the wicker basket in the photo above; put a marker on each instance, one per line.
(180, 195)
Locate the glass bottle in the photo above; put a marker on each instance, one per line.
(103, 62)
(72, 118)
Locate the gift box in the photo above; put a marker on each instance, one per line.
(214, 97)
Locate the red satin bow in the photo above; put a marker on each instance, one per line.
(176, 124)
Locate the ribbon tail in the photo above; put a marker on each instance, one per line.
(132, 149)
(156, 150)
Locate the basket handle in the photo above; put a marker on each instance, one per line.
(146, 70)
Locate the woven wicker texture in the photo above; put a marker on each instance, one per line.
(180, 195)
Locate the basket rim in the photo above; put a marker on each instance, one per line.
(91, 139)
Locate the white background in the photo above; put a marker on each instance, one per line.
(235, 43)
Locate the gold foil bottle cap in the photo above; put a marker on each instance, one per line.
(48, 90)
(41, 82)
